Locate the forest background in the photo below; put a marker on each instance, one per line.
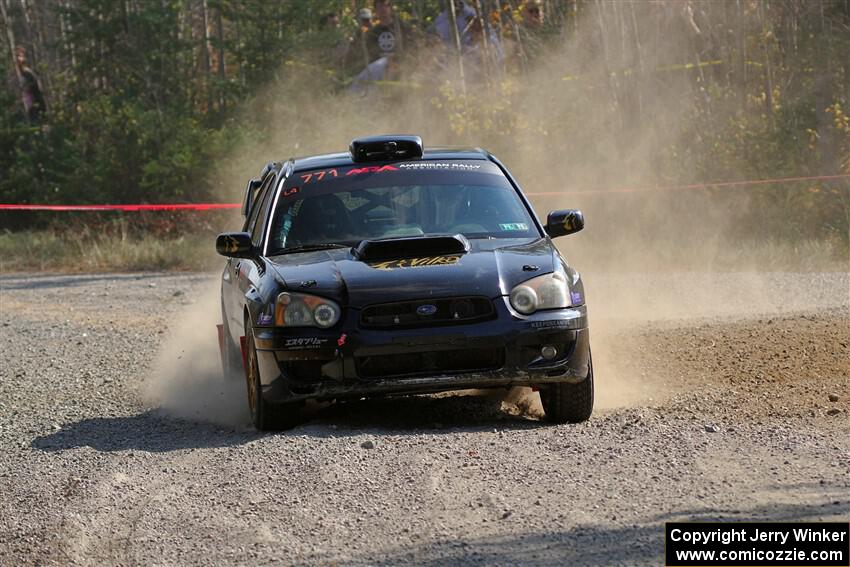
(162, 101)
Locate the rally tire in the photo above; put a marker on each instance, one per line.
(265, 416)
(569, 403)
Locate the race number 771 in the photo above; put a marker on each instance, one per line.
(318, 175)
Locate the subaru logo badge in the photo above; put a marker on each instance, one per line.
(426, 310)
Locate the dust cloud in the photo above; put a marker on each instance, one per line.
(187, 380)
(580, 122)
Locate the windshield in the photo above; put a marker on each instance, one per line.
(311, 216)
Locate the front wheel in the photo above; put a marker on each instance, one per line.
(569, 403)
(265, 416)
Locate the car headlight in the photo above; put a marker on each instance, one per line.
(549, 291)
(304, 310)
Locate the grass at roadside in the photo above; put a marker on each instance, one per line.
(92, 250)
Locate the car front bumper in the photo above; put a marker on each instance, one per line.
(309, 363)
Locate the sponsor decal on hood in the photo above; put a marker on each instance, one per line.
(416, 262)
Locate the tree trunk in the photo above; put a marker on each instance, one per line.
(205, 54)
(47, 58)
(456, 34)
(827, 139)
(222, 75)
(10, 36)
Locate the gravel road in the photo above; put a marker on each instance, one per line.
(719, 396)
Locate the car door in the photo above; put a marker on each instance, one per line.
(247, 273)
(232, 286)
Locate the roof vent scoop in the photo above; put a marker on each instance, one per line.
(410, 247)
(385, 148)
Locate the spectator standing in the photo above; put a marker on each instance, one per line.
(483, 55)
(529, 35)
(463, 17)
(389, 35)
(480, 48)
(357, 54)
(533, 17)
(330, 21)
(332, 39)
(31, 91)
(364, 18)
(386, 42)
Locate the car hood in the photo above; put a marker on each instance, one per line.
(489, 268)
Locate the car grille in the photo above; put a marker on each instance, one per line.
(427, 313)
(434, 362)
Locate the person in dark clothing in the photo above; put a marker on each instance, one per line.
(443, 28)
(329, 21)
(387, 44)
(527, 40)
(389, 35)
(31, 91)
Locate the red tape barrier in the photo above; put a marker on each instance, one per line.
(214, 206)
(127, 208)
(697, 186)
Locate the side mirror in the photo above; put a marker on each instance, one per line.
(563, 222)
(235, 245)
(250, 193)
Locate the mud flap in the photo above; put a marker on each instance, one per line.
(221, 347)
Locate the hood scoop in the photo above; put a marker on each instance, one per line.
(410, 247)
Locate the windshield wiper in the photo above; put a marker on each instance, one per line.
(309, 248)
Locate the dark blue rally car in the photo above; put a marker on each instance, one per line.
(392, 269)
